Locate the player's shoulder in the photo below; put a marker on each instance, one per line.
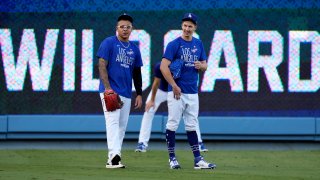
(174, 42)
(133, 44)
(196, 40)
(157, 71)
(109, 39)
(157, 66)
(177, 40)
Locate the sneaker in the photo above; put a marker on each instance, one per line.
(174, 163)
(141, 148)
(115, 162)
(200, 163)
(202, 148)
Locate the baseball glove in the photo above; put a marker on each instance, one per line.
(176, 68)
(112, 100)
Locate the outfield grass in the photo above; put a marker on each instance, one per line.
(90, 164)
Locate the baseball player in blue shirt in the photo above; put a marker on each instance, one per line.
(119, 62)
(183, 99)
(157, 95)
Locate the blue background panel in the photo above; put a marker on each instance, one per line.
(3, 127)
(3, 124)
(258, 125)
(317, 138)
(317, 124)
(255, 125)
(134, 123)
(212, 128)
(56, 123)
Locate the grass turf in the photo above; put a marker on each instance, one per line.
(90, 164)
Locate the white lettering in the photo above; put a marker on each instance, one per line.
(88, 83)
(222, 43)
(267, 63)
(295, 83)
(69, 60)
(144, 45)
(28, 54)
(40, 69)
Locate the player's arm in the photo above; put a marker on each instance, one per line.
(154, 89)
(201, 65)
(155, 86)
(103, 73)
(137, 81)
(164, 67)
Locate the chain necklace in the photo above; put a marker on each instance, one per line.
(123, 44)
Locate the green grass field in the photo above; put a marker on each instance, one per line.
(90, 164)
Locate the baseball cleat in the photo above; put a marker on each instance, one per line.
(141, 148)
(200, 163)
(202, 148)
(109, 166)
(173, 163)
(115, 162)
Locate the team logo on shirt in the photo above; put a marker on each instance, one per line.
(189, 57)
(125, 58)
(194, 50)
(130, 52)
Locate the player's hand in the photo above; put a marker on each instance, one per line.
(197, 65)
(176, 92)
(149, 105)
(138, 102)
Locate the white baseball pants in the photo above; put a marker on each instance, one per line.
(146, 123)
(187, 107)
(116, 124)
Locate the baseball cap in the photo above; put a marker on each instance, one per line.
(125, 16)
(190, 17)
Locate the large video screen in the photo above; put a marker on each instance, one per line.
(260, 61)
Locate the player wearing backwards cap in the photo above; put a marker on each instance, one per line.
(157, 95)
(183, 100)
(119, 62)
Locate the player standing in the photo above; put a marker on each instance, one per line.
(157, 95)
(183, 99)
(119, 62)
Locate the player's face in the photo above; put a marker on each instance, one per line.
(188, 29)
(124, 29)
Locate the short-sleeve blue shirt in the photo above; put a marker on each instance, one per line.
(163, 82)
(122, 59)
(189, 52)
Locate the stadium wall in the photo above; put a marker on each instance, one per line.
(212, 128)
(32, 109)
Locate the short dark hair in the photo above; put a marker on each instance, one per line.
(125, 16)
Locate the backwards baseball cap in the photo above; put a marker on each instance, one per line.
(190, 17)
(125, 16)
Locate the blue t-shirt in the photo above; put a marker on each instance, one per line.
(122, 59)
(189, 52)
(163, 82)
